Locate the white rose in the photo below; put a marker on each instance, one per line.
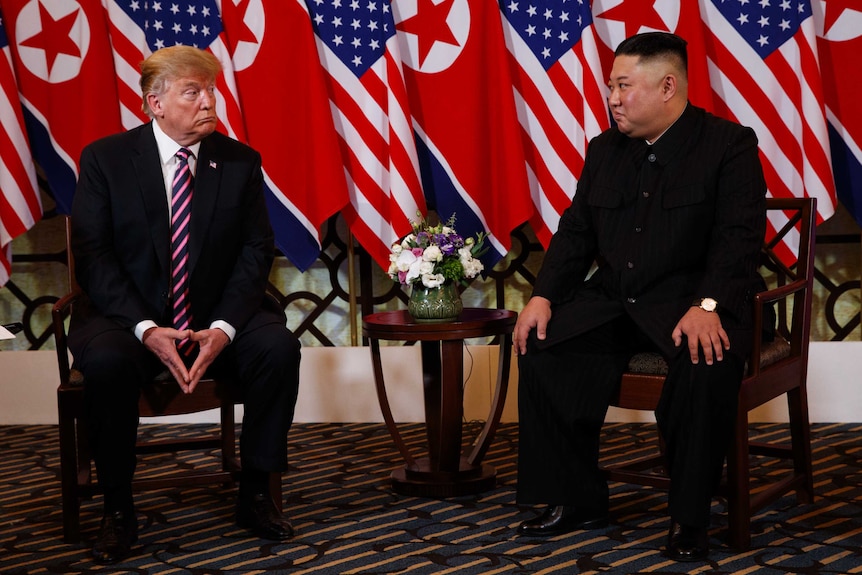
(396, 249)
(465, 255)
(472, 268)
(432, 254)
(426, 268)
(433, 280)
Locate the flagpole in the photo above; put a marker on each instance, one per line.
(351, 290)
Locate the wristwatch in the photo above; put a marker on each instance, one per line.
(706, 304)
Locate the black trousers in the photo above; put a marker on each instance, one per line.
(264, 361)
(563, 396)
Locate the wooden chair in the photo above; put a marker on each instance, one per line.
(775, 368)
(162, 397)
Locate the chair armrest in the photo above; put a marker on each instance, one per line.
(768, 297)
(778, 293)
(59, 312)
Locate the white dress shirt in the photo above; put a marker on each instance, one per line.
(168, 155)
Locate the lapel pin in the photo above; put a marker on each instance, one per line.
(213, 164)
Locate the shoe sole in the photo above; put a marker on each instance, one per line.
(582, 526)
(684, 558)
(248, 526)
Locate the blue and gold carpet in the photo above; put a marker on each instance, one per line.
(349, 521)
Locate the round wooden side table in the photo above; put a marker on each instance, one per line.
(445, 472)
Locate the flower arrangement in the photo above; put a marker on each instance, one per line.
(434, 255)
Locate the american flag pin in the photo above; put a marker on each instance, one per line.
(213, 164)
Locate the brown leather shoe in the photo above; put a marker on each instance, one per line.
(259, 515)
(117, 534)
(562, 519)
(686, 543)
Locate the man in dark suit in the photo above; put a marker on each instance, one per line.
(156, 275)
(671, 209)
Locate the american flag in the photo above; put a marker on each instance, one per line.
(20, 206)
(357, 47)
(764, 72)
(560, 97)
(139, 27)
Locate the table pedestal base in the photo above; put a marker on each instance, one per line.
(421, 481)
(447, 471)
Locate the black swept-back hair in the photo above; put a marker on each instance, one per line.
(650, 45)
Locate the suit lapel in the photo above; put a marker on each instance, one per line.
(207, 182)
(148, 167)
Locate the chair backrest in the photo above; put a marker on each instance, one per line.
(70, 258)
(62, 309)
(787, 264)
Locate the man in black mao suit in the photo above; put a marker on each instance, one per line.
(671, 209)
(122, 333)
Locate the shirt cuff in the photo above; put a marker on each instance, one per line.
(142, 327)
(227, 328)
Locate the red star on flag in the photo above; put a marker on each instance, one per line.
(635, 14)
(55, 37)
(241, 33)
(834, 9)
(429, 25)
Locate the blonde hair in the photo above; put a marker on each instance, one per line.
(172, 63)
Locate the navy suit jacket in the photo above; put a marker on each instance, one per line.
(121, 236)
(665, 224)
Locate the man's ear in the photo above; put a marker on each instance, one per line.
(155, 103)
(669, 86)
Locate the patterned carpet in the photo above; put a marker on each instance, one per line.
(350, 522)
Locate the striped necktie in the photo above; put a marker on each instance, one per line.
(181, 210)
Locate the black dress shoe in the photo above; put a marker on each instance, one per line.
(686, 543)
(562, 519)
(117, 534)
(259, 515)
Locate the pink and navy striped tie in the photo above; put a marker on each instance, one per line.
(181, 210)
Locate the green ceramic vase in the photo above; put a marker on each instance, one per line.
(435, 305)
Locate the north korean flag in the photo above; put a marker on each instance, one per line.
(616, 20)
(839, 43)
(468, 136)
(288, 120)
(66, 78)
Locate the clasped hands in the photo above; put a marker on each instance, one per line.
(701, 329)
(162, 341)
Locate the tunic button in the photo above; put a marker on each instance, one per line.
(651, 157)
(631, 300)
(646, 194)
(630, 265)
(638, 229)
